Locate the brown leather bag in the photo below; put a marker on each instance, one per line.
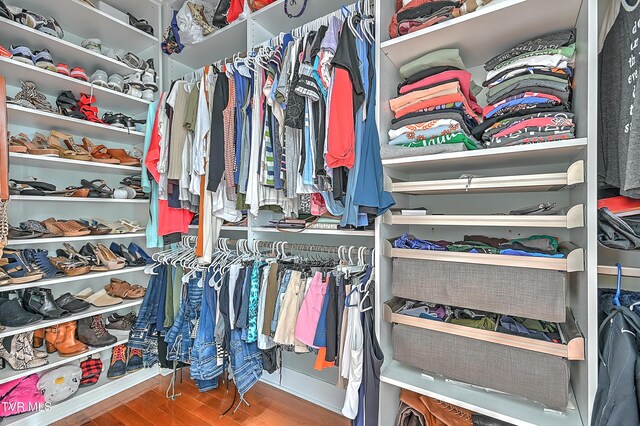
(4, 167)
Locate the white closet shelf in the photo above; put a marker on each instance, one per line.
(78, 200)
(627, 271)
(573, 262)
(557, 152)
(273, 19)
(55, 360)
(495, 184)
(219, 45)
(61, 240)
(46, 121)
(485, 33)
(62, 51)
(85, 21)
(503, 407)
(93, 310)
(573, 219)
(341, 232)
(84, 398)
(57, 163)
(69, 279)
(53, 83)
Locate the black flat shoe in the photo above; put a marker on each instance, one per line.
(71, 304)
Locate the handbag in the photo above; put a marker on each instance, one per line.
(4, 168)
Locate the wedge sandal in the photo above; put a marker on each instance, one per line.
(17, 267)
(99, 153)
(58, 140)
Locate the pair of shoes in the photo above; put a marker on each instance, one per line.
(40, 58)
(122, 121)
(62, 338)
(141, 24)
(124, 290)
(30, 97)
(41, 301)
(12, 314)
(47, 25)
(124, 360)
(99, 299)
(122, 322)
(18, 351)
(114, 82)
(18, 268)
(92, 332)
(77, 72)
(38, 146)
(133, 255)
(65, 228)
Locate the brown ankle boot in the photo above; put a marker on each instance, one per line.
(63, 339)
(38, 338)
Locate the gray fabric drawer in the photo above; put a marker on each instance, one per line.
(536, 376)
(524, 292)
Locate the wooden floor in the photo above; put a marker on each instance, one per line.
(145, 404)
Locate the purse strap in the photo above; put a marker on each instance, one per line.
(4, 166)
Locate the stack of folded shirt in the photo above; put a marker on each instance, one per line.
(436, 108)
(415, 15)
(529, 93)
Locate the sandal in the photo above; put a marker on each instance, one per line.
(75, 192)
(90, 111)
(35, 226)
(15, 146)
(124, 158)
(56, 140)
(35, 183)
(20, 234)
(68, 230)
(68, 105)
(114, 119)
(141, 24)
(5, 279)
(132, 225)
(124, 290)
(17, 268)
(71, 268)
(116, 227)
(98, 188)
(82, 152)
(88, 251)
(108, 258)
(99, 153)
(34, 147)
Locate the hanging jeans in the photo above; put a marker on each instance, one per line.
(143, 334)
(204, 369)
(179, 336)
(284, 283)
(246, 362)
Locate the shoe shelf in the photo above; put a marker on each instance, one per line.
(573, 262)
(340, 232)
(78, 199)
(69, 279)
(93, 310)
(82, 20)
(574, 175)
(57, 163)
(485, 33)
(62, 51)
(60, 240)
(84, 398)
(558, 152)
(573, 219)
(38, 119)
(517, 411)
(53, 83)
(55, 360)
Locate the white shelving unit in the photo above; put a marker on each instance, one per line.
(79, 21)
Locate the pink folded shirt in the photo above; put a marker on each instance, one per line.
(463, 77)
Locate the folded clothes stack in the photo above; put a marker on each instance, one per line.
(529, 93)
(534, 246)
(535, 329)
(436, 108)
(415, 15)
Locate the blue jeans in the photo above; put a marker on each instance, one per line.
(204, 369)
(178, 337)
(281, 290)
(246, 362)
(144, 334)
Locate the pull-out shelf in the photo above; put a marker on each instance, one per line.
(573, 262)
(573, 219)
(496, 184)
(572, 349)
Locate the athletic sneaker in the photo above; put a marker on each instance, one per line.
(42, 59)
(51, 27)
(22, 54)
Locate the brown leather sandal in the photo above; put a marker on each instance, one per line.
(59, 140)
(99, 153)
(71, 268)
(33, 147)
(67, 230)
(124, 158)
(124, 290)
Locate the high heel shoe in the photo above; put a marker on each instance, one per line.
(121, 250)
(62, 338)
(41, 301)
(89, 254)
(18, 352)
(108, 258)
(137, 251)
(59, 141)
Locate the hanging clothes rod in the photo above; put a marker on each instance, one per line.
(629, 272)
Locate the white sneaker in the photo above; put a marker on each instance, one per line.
(147, 95)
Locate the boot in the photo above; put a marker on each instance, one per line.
(40, 301)
(18, 352)
(92, 332)
(31, 338)
(118, 365)
(38, 338)
(63, 339)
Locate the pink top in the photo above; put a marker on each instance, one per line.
(463, 77)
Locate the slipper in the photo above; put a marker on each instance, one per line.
(35, 183)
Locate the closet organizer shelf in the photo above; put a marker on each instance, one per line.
(558, 152)
(53, 83)
(78, 200)
(58, 163)
(518, 183)
(55, 360)
(108, 237)
(219, 45)
(574, 262)
(517, 411)
(10, 331)
(341, 232)
(573, 219)
(61, 50)
(485, 33)
(68, 279)
(28, 117)
(84, 398)
(83, 20)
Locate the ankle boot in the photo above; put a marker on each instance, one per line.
(40, 301)
(38, 338)
(63, 339)
(92, 332)
(18, 352)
